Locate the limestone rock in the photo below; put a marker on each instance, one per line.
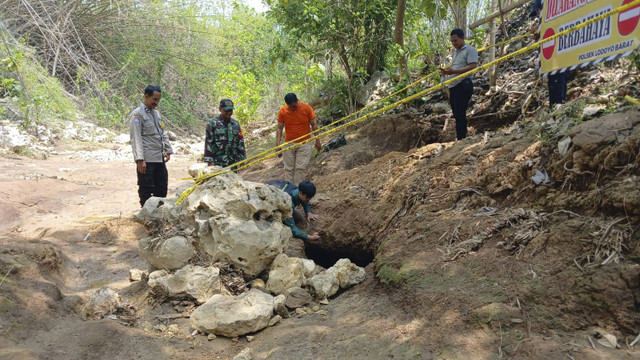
(591, 110)
(102, 303)
(197, 282)
(173, 329)
(375, 89)
(246, 354)
(12, 139)
(591, 137)
(86, 131)
(202, 168)
(285, 273)
(274, 320)
(592, 134)
(122, 139)
(325, 284)
(234, 316)
(281, 309)
(348, 273)
(234, 221)
(240, 221)
(248, 244)
(280, 299)
(343, 274)
(441, 108)
(136, 274)
(257, 284)
(162, 209)
(297, 297)
(170, 254)
(310, 268)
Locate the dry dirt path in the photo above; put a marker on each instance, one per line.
(78, 214)
(47, 209)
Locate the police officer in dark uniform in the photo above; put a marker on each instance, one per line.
(557, 82)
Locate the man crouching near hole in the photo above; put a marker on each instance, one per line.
(300, 195)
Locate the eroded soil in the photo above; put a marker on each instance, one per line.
(466, 257)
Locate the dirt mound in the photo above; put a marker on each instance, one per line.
(19, 251)
(463, 236)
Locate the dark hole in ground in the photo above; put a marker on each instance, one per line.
(327, 257)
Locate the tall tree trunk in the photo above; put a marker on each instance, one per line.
(398, 36)
(345, 63)
(306, 68)
(328, 65)
(373, 61)
(459, 8)
(492, 52)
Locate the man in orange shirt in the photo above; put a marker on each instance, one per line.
(297, 119)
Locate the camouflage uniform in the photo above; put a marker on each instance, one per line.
(224, 143)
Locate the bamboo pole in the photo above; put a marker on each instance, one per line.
(497, 13)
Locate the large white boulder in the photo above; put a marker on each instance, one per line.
(232, 220)
(325, 284)
(198, 282)
(375, 89)
(285, 273)
(234, 316)
(11, 138)
(342, 275)
(250, 245)
(227, 194)
(169, 254)
(239, 221)
(157, 208)
(348, 273)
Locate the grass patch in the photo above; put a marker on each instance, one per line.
(390, 274)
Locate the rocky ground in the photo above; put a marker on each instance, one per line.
(519, 242)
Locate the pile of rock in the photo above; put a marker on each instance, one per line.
(230, 221)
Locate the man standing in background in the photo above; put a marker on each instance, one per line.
(465, 58)
(557, 82)
(297, 119)
(150, 146)
(224, 143)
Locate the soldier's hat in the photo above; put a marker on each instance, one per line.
(226, 104)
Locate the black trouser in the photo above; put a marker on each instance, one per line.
(557, 87)
(459, 97)
(154, 182)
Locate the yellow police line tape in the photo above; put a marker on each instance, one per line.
(283, 145)
(632, 100)
(201, 179)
